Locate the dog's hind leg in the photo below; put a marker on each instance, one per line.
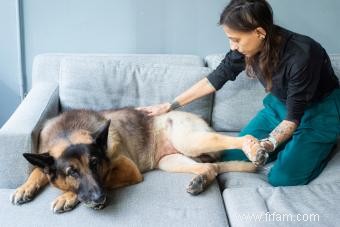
(206, 172)
(196, 143)
(193, 137)
(29, 189)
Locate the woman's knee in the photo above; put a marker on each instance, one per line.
(277, 177)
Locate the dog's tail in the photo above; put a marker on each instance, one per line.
(235, 166)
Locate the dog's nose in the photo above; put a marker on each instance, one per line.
(98, 198)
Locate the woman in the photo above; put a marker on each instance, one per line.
(301, 120)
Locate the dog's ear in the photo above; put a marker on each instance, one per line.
(44, 161)
(100, 136)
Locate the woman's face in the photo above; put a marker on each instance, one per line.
(247, 43)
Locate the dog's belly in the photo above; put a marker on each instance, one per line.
(164, 147)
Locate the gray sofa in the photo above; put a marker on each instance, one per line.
(66, 81)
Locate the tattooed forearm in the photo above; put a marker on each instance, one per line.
(283, 131)
(279, 135)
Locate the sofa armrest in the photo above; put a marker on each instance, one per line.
(20, 133)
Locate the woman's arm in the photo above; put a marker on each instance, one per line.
(198, 90)
(279, 135)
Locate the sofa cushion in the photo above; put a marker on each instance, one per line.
(46, 67)
(335, 59)
(103, 83)
(259, 179)
(160, 200)
(237, 102)
(313, 205)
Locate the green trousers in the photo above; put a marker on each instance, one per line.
(302, 158)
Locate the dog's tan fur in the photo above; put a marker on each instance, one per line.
(136, 144)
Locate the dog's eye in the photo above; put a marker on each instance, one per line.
(71, 172)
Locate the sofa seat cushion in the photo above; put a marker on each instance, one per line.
(99, 83)
(259, 179)
(242, 180)
(160, 200)
(313, 205)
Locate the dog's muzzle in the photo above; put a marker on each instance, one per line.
(96, 205)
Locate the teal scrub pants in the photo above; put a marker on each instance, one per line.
(302, 158)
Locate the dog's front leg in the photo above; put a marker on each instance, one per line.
(65, 202)
(123, 172)
(29, 189)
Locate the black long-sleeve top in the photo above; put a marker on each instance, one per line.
(304, 74)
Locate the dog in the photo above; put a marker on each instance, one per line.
(86, 153)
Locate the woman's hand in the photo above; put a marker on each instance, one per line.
(267, 145)
(156, 109)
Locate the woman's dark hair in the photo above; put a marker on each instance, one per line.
(246, 16)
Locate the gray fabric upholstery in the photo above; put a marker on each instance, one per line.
(160, 200)
(214, 60)
(106, 83)
(46, 67)
(237, 102)
(20, 133)
(321, 199)
(242, 180)
(335, 59)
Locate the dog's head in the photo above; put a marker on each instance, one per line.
(79, 168)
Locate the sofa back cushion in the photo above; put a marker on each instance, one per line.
(335, 59)
(46, 67)
(238, 101)
(105, 83)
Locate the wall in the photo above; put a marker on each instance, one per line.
(134, 26)
(9, 59)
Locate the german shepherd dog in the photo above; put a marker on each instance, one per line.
(85, 153)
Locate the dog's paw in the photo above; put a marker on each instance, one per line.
(64, 202)
(198, 185)
(24, 194)
(261, 158)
